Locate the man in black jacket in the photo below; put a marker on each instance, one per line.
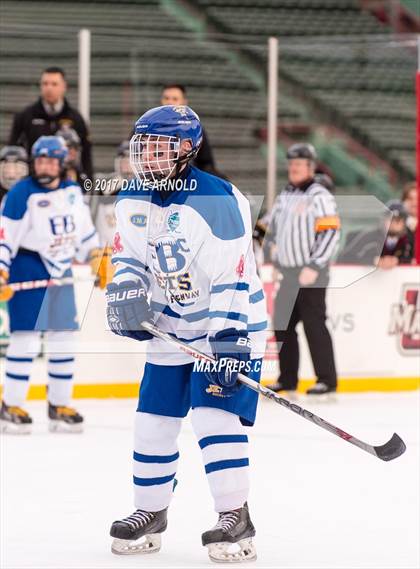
(175, 94)
(50, 113)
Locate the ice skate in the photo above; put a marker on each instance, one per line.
(139, 533)
(279, 387)
(230, 541)
(322, 392)
(64, 419)
(14, 420)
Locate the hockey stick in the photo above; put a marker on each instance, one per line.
(394, 448)
(47, 283)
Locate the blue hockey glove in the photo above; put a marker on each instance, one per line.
(127, 309)
(230, 344)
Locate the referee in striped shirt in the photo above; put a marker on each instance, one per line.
(304, 229)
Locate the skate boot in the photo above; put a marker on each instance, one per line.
(14, 420)
(139, 533)
(64, 419)
(231, 538)
(323, 391)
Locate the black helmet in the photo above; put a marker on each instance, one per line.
(302, 150)
(14, 154)
(124, 149)
(13, 165)
(71, 138)
(397, 209)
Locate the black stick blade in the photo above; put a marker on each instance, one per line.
(394, 448)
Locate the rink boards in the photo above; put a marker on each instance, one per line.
(374, 318)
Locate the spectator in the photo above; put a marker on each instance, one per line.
(304, 227)
(13, 167)
(175, 94)
(386, 246)
(50, 113)
(409, 200)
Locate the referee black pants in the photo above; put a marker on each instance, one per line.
(294, 304)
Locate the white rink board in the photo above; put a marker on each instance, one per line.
(368, 341)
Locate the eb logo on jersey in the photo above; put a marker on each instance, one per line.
(62, 224)
(169, 254)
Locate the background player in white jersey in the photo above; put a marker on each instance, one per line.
(104, 204)
(45, 225)
(184, 238)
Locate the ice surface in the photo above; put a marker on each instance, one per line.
(316, 501)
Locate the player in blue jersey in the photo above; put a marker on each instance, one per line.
(184, 260)
(45, 225)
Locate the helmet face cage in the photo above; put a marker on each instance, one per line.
(11, 171)
(154, 158)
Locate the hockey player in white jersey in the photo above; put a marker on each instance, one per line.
(44, 226)
(110, 186)
(184, 260)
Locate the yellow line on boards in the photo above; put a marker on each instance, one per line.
(127, 390)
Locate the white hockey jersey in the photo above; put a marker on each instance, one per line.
(56, 224)
(193, 252)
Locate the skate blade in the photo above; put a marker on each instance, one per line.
(149, 543)
(323, 398)
(62, 427)
(8, 428)
(225, 552)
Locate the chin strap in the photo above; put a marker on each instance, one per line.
(45, 180)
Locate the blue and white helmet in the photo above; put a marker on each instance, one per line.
(51, 147)
(157, 152)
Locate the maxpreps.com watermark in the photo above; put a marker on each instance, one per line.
(228, 365)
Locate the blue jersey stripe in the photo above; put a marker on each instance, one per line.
(256, 296)
(131, 271)
(188, 340)
(6, 247)
(17, 376)
(219, 439)
(89, 236)
(153, 481)
(199, 315)
(229, 286)
(155, 459)
(7, 265)
(129, 261)
(224, 464)
(257, 326)
(60, 360)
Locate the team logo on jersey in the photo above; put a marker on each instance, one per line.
(170, 266)
(72, 198)
(117, 245)
(173, 221)
(139, 220)
(405, 320)
(44, 203)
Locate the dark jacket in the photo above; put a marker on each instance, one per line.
(34, 122)
(362, 247)
(204, 159)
